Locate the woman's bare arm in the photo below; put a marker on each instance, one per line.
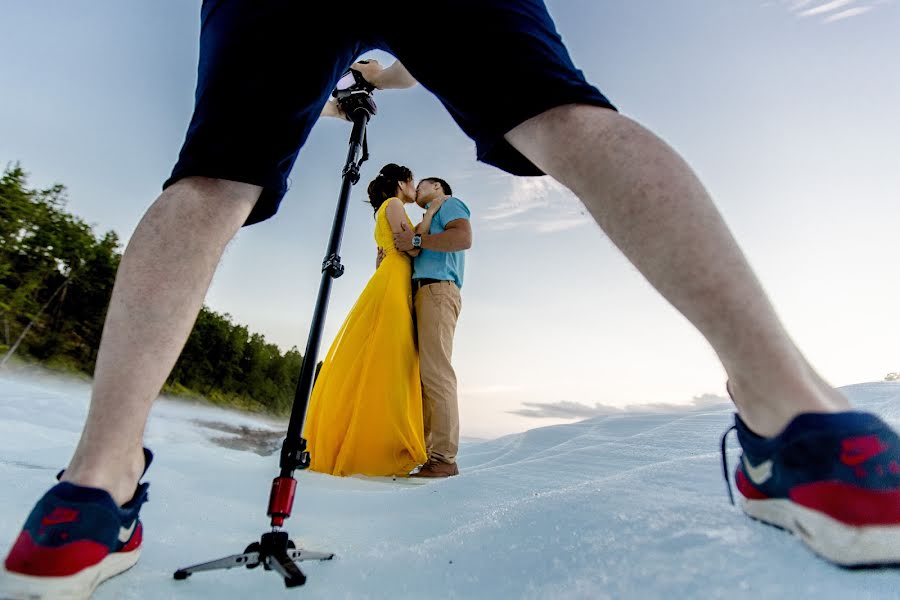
(396, 216)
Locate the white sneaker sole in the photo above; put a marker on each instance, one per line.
(842, 544)
(14, 586)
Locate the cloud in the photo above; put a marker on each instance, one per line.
(540, 226)
(831, 10)
(577, 410)
(846, 14)
(536, 204)
(563, 410)
(825, 8)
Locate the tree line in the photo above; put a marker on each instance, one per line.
(56, 278)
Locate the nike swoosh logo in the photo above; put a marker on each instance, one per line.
(125, 532)
(760, 473)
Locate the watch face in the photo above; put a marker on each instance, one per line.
(417, 241)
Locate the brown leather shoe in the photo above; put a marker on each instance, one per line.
(436, 468)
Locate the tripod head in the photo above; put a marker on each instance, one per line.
(353, 93)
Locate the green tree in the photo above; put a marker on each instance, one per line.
(42, 252)
(56, 278)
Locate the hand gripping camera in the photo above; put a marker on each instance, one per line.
(353, 92)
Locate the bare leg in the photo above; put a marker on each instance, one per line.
(653, 207)
(160, 286)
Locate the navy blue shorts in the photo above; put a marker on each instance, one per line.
(499, 63)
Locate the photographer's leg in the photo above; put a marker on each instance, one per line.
(652, 206)
(159, 290)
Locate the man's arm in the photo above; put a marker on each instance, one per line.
(392, 78)
(457, 235)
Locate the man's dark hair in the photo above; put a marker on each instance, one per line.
(385, 185)
(444, 185)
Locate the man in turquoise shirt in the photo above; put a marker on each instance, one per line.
(438, 273)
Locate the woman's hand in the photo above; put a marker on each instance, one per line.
(435, 205)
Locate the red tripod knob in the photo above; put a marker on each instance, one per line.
(281, 500)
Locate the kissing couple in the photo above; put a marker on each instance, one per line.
(385, 400)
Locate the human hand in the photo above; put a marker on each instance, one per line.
(370, 70)
(379, 257)
(394, 77)
(403, 239)
(435, 205)
(331, 109)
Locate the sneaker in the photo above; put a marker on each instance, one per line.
(435, 468)
(831, 479)
(75, 538)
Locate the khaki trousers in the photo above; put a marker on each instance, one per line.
(437, 310)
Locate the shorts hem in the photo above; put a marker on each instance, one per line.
(266, 205)
(501, 154)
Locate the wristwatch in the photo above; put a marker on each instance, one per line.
(417, 241)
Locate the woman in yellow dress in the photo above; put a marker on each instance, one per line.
(365, 412)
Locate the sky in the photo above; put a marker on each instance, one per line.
(786, 110)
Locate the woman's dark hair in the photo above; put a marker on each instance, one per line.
(444, 185)
(385, 184)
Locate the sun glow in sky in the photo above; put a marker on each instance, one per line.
(786, 109)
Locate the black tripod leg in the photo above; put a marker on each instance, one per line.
(274, 550)
(249, 559)
(287, 568)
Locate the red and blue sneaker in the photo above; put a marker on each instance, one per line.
(74, 539)
(831, 479)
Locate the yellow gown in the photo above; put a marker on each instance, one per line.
(365, 412)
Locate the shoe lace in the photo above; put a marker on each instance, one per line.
(725, 471)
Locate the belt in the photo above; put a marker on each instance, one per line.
(420, 283)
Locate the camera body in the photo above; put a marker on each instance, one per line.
(353, 93)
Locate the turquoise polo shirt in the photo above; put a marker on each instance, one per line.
(446, 266)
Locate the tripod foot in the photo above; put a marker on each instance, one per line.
(300, 555)
(285, 566)
(275, 552)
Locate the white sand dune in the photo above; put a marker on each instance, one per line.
(624, 506)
